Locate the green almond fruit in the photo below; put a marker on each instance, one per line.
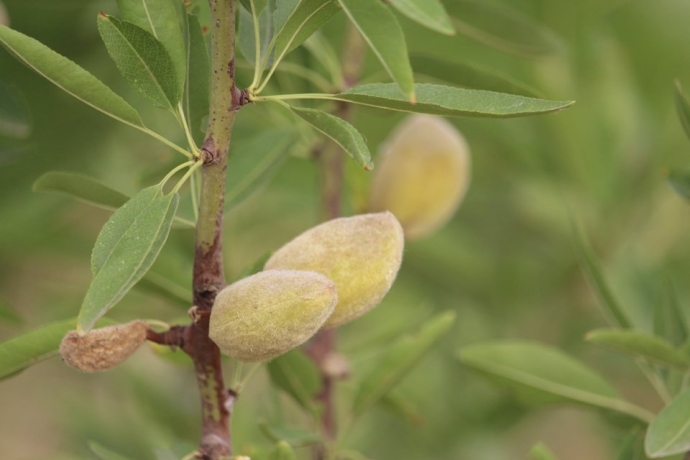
(422, 174)
(270, 313)
(361, 254)
(104, 348)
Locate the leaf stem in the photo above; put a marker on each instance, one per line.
(188, 134)
(286, 97)
(162, 139)
(175, 170)
(186, 176)
(258, 65)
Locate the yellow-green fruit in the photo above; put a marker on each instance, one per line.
(270, 313)
(104, 348)
(422, 174)
(361, 254)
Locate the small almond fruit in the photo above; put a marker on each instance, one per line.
(361, 254)
(270, 313)
(422, 174)
(104, 348)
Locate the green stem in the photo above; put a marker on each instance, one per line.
(162, 139)
(257, 51)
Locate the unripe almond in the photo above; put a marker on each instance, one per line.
(361, 254)
(270, 313)
(422, 174)
(104, 348)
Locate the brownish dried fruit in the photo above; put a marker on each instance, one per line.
(422, 175)
(361, 254)
(270, 313)
(104, 348)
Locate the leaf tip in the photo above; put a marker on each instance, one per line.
(413, 98)
(101, 14)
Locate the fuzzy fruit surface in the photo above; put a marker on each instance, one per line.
(270, 313)
(422, 174)
(361, 254)
(104, 348)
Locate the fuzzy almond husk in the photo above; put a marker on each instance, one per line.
(422, 174)
(104, 348)
(361, 254)
(270, 313)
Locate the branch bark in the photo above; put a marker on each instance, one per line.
(208, 278)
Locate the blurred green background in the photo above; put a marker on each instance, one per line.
(505, 263)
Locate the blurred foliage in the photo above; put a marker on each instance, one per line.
(505, 264)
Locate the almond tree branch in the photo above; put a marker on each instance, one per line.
(209, 279)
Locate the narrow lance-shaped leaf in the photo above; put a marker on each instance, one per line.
(402, 407)
(198, 93)
(247, 40)
(502, 27)
(669, 433)
(161, 19)
(429, 13)
(132, 254)
(683, 107)
(297, 375)
(449, 101)
(467, 75)
(251, 164)
(81, 187)
(69, 76)
(400, 359)
(385, 37)
(34, 347)
(680, 182)
(612, 309)
(142, 60)
(326, 55)
(641, 345)
(340, 131)
(118, 224)
(293, 28)
(541, 374)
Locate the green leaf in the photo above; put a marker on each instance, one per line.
(468, 76)
(254, 162)
(295, 436)
(385, 37)
(15, 117)
(69, 76)
(282, 451)
(130, 255)
(34, 347)
(82, 188)
(429, 13)
(118, 224)
(297, 375)
(402, 407)
(340, 131)
(104, 453)
(294, 25)
(641, 345)
(159, 17)
(669, 433)
(142, 60)
(449, 101)
(247, 40)
(400, 359)
(538, 373)
(541, 452)
(680, 181)
(198, 89)
(612, 309)
(683, 107)
(631, 448)
(503, 28)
